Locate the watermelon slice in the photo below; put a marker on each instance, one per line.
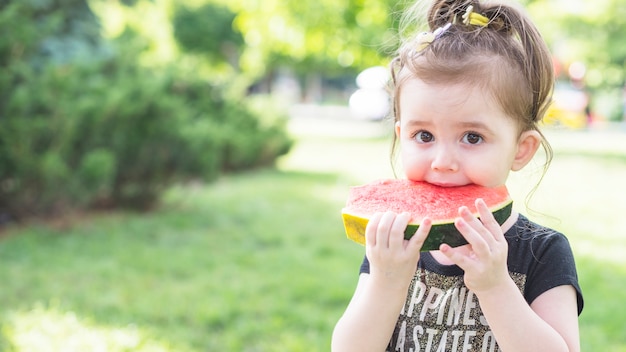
(421, 199)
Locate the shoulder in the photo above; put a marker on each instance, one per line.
(529, 238)
(543, 257)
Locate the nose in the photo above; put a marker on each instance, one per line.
(444, 159)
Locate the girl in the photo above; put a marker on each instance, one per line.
(468, 96)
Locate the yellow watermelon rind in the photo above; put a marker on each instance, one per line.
(442, 231)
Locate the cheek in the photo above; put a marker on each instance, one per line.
(413, 161)
(488, 174)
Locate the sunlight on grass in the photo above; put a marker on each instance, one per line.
(357, 151)
(353, 161)
(582, 197)
(42, 329)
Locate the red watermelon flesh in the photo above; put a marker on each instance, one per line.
(421, 199)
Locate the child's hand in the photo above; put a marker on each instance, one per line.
(393, 260)
(484, 258)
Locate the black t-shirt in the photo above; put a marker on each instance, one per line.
(441, 314)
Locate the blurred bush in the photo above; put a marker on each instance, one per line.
(106, 132)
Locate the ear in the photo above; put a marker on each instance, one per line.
(397, 129)
(527, 146)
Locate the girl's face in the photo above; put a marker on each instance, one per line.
(454, 135)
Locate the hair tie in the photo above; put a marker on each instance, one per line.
(472, 18)
(425, 38)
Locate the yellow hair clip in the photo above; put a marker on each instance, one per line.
(473, 18)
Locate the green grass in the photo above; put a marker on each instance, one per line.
(259, 261)
(251, 263)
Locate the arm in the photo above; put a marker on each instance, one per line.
(550, 323)
(369, 320)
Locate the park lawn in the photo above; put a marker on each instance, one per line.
(254, 262)
(259, 261)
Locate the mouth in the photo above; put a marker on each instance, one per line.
(445, 184)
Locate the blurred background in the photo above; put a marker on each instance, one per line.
(172, 172)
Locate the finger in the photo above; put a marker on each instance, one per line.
(371, 228)
(471, 219)
(417, 241)
(396, 235)
(488, 220)
(457, 255)
(384, 227)
(474, 232)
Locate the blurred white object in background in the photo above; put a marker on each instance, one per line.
(371, 101)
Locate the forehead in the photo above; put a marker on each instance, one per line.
(451, 108)
(415, 93)
(492, 75)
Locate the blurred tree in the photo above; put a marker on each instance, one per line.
(64, 30)
(338, 37)
(591, 33)
(258, 38)
(196, 35)
(208, 30)
(324, 34)
(315, 35)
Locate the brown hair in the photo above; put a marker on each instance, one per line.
(508, 58)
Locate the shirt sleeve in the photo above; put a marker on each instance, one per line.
(365, 266)
(552, 266)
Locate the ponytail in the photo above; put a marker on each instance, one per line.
(508, 35)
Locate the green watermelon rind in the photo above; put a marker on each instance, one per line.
(440, 232)
(449, 234)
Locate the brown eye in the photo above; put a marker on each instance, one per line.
(424, 137)
(472, 138)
